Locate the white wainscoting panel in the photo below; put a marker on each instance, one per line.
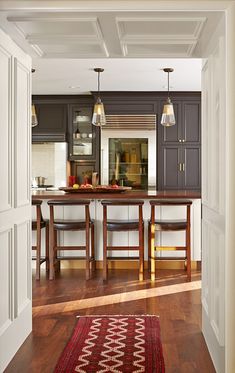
(5, 129)
(21, 264)
(22, 135)
(6, 281)
(205, 119)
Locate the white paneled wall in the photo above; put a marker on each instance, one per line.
(213, 203)
(49, 160)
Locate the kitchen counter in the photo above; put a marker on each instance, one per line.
(151, 194)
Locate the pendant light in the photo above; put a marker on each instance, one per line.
(168, 116)
(98, 118)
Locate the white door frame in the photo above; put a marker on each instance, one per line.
(191, 5)
(15, 199)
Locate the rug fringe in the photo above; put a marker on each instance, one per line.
(146, 314)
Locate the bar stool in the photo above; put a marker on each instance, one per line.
(58, 225)
(169, 225)
(110, 225)
(38, 225)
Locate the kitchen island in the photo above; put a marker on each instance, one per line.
(125, 212)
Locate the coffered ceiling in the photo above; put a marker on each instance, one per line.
(66, 44)
(109, 34)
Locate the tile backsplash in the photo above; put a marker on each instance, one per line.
(49, 160)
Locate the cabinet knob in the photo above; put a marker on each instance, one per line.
(183, 140)
(180, 140)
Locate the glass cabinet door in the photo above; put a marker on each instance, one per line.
(128, 162)
(82, 136)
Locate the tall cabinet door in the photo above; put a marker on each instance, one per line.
(170, 158)
(191, 167)
(15, 199)
(191, 122)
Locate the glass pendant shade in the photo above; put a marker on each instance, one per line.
(34, 119)
(168, 116)
(98, 118)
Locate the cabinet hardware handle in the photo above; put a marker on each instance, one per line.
(180, 166)
(180, 140)
(183, 167)
(183, 140)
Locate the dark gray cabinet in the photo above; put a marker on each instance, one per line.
(179, 147)
(52, 122)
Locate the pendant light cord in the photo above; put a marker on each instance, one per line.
(98, 84)
(168, 84)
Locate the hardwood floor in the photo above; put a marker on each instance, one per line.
(57, 303)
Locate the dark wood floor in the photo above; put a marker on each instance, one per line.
(56, 304)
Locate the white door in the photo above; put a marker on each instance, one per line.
(15, 199)
(213, 201)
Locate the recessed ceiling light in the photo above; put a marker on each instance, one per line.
(74, 86)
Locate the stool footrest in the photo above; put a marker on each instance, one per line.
(122, 258)
(70, 247)
(91, 259)
(170, 258)
(129, 248)
(170, 248)
(42, 260)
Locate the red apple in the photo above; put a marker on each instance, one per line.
(114, 186)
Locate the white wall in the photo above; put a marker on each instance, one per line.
(49, 160)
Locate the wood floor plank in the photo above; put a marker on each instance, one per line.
(57, 303)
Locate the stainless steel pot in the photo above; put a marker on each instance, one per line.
(40, 180)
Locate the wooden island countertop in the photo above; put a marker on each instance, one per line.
(150, 194)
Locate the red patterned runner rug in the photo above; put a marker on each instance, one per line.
(114, 344)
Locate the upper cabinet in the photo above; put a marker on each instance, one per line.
(188, 124)
(83, 136)
(52, 121)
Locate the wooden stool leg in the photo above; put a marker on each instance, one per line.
(152, 231)
(56, 261)
(105, 269)
(38, 253)
(188, 244)
(51, 252)
(87, 254)
(47, 248)
(149, 247)
(93, 246)
(141, 255)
